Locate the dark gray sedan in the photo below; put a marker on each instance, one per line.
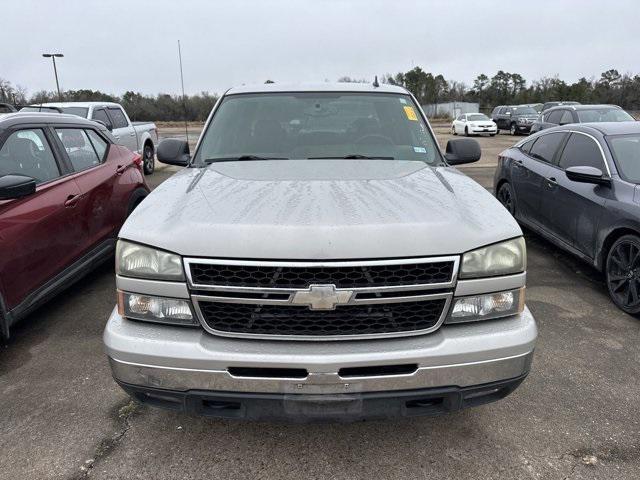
(578, 186)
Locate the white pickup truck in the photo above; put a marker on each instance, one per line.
(139, 137)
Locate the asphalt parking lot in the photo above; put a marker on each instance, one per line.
(576, 416)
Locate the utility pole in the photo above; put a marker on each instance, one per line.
(55, 70)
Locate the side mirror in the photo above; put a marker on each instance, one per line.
(16, 186)
(174, 152)
(587, 175)
(462, 150)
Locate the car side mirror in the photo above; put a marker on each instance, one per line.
(584, 174)
(16, 186)
(462, 150)
(173, 151)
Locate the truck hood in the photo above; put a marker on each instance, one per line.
(319, 209)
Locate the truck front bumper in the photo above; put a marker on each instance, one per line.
(189, 369)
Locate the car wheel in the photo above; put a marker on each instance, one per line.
(622, 272)
(513, 129)
(506, 198)
(453, 131)
(466, 131)
(492, 134)
(148, 159)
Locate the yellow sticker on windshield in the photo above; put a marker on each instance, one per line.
(411, 113)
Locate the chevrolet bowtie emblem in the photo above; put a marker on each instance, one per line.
(321, 297)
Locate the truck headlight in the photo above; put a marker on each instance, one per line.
(486, 307)
(139, 261)
(502, 258)
(174, 311)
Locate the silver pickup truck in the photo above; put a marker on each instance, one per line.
(139, 137)
(319, 259)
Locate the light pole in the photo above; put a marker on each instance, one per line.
(55, 70)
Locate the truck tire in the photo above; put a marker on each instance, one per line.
(148, 159)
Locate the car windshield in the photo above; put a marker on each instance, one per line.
(626, 153)
(525, 111)
(477, 117)
(312, 125)
(604, 115)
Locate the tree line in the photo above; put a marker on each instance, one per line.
(161, 107)
(503, 88)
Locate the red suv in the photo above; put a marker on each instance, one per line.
(65, 190)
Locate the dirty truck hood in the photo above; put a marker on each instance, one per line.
(319, 209)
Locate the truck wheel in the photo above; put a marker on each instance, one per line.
(505, 197)
(149, 162)
(513, 129)
(622, 272)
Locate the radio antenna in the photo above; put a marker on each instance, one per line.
(184, 99)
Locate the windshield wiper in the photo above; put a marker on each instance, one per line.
(241, 158)
(352, 156)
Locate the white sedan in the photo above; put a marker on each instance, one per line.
(473, 124)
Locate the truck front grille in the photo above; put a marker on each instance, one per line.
(356, 276)
(347, 320)
(324, 300)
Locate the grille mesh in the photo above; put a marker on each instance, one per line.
(344, 320)
(302, 277)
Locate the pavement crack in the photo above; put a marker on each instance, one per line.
(107, 445)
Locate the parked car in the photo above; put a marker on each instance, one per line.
(536, 106)
(578, 187)
(65, 190)
(473, 124)
(515, 118)
(319, 258)
(548, 105)
(139, 137)
(580, 114)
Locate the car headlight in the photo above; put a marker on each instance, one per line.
(504, 258)
(486, 307)
(133, 260)
(174, 311)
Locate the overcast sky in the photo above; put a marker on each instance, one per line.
(117, 45)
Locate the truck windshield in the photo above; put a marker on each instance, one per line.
(313, 125)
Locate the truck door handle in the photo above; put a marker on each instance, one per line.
(120, 169)
(72, 201)
(552, 182)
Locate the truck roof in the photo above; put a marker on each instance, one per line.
(316, 87)
(74, 104)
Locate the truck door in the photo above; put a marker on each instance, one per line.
(123, 131)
